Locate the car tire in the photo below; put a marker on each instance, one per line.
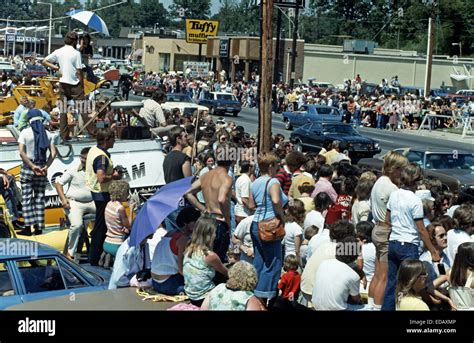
(298, 146)
(288, 125)
(235, 113)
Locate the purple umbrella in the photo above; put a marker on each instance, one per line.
(157, 208)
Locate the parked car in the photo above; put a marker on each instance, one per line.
(35, 71)
(182, 101)
(145, 88)
(310, 113)
(418, 91)
(453, 168)
(317, 135)
(220, 103)
(441, 92)
(31, 271)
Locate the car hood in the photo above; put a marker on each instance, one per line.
(465, 176)
(181, 105)
(350, 139)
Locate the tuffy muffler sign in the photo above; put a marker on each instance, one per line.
(197, 30)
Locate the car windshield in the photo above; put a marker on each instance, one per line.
(449, 161)
(340, 129)
(228, 97)
(177, 98)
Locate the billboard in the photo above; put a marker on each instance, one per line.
(198, 30)
(196, 69)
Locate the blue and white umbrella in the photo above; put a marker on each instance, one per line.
(89, 19)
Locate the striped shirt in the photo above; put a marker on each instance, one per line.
(116, 230)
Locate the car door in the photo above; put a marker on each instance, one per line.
(316, 135)
(9, 291)
(300, 117)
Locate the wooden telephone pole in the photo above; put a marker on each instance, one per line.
(265, 77)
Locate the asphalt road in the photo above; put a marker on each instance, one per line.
(388, 140)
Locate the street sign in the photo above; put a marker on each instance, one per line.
(196, 69)
(197, 30)
(290, 3)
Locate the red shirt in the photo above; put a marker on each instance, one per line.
(290, 284)
(285, 180)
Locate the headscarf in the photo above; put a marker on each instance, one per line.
(35, 118)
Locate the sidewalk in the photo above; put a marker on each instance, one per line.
(468, 139)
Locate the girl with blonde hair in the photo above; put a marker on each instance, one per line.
(200, 262)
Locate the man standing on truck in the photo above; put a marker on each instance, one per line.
(67, 60)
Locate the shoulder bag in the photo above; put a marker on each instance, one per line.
(271, 229)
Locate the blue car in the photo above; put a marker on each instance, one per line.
(311, 113)
(31, 271)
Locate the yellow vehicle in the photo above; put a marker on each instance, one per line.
(55, 238)
(46, 92)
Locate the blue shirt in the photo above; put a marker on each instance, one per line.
(16, 117)
(258, 190)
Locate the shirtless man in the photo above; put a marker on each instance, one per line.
(216, 187)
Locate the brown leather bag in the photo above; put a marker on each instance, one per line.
(271, 229)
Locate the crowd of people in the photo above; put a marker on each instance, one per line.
(354, 239)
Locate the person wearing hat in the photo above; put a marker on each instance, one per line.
(33, 144)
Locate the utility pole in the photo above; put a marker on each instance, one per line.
(265, 77)
(429, 56)
(277, 48)
(293, 49)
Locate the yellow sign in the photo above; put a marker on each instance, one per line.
(197, 30)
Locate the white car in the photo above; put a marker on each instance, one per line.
(183, 102)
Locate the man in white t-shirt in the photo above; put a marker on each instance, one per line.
(337, 279)
(244, 204)
(242, 240)
(67, 60)
(152, 114)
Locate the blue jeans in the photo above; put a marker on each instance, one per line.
(174, 285)
(268, 263)
(397, 253)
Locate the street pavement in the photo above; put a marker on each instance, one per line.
(388, 140)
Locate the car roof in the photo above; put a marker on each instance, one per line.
(14, 248)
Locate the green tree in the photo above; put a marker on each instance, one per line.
(192, 9)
